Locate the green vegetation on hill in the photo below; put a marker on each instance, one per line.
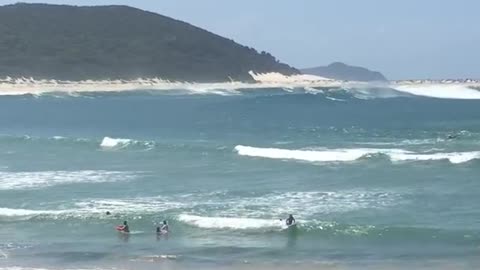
(341, 71)
(118, 42)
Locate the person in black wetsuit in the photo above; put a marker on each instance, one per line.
(164, 226)
(125, 227)
(163, 229)
(290, 220)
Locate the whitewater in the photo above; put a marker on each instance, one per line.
(339, 155)
(444, 89)
(381, 176)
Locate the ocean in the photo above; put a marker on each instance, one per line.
(375, 179)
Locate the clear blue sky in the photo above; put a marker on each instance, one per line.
(401, 38)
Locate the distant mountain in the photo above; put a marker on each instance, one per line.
(341, 71)
(119, 42)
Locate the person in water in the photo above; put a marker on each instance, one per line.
(452, 136)
(125, 227)
(290, 220)
(164, 227)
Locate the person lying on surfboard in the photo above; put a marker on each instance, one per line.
(290, 220)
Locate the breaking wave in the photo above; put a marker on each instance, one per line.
(454, 157)
(328, 155)
(444, 91)
(349, 155)
(118, 143)
(265, 83)
(107, 143)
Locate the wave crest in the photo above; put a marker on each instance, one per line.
(119, 143)
(303, 84)
(333, 155)
(349, 155)
(454, 158)
(443, 91)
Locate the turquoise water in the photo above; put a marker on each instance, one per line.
(372, 182)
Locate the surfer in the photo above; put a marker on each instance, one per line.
(125, 227)
(290, 220)
(452, 136)
(163, 228)
(108, 213)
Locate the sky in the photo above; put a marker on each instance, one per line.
(404, 39)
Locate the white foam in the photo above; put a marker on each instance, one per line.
(454, 157)
(275, 77)
(347, 155)
(32, 180)
(406, 142)
(445, 91)
(23, 86)
(308, 204)
(268, 207)
(143, 205)
(119, 143)
(459, 89)
(155, 258)
(11, 212)
(98, 207)
(108, 142)
(335, 99)
(230, 223)
(329, 155)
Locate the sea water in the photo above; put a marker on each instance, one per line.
(375, 182)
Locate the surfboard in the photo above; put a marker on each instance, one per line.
(162, 232)
(291, 226)
(120, 228)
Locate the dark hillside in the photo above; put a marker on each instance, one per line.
(74, 43)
